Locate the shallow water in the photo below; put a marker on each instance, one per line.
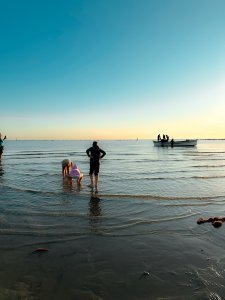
(142, 219)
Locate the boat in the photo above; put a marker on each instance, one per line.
(175, 143)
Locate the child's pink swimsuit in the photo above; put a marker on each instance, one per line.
(75, 172)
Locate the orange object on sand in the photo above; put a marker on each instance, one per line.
(41, 250)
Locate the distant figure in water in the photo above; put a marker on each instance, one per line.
(172, 142)
(66, 167)
(75, 173)
(1, 144)
(95, 154)
(159, 137)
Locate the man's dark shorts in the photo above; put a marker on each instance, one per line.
(94, 168)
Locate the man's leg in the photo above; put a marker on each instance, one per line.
(96, 183)
(91, 180)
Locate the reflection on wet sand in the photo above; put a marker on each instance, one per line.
(94, 205)
(95, 213)
(70, 186)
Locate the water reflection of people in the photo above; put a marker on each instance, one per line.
(95, 212)
(70, 185)
(94, 207)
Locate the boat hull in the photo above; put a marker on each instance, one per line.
(178, 143)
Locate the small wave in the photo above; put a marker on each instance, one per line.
(58, 213)
(186, 177)
(157, 197)
(129, 154)
(208, 177)
(48, 174)
(202, 203)
(60, 156)
(209, 152)
(136, 222)
(17, 189)
(208, 166)
(43, 242)
(38, 233)
(207, 159)
(116, 196)
(166, 178)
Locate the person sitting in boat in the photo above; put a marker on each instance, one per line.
(167, 138)
(164, 139)
(159, 137)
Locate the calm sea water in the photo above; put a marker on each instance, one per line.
(142, 219)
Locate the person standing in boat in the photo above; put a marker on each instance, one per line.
(159, 137)
(1, 144)
(95, 154)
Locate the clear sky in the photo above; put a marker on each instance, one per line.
(112, 69)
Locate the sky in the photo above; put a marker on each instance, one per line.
(115, 69)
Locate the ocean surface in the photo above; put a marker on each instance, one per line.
(143, 219)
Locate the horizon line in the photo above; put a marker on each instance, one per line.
(124, 139)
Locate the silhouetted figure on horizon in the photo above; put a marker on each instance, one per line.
(1, 144)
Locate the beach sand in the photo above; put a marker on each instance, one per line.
(184, 260)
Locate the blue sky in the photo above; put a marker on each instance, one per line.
(95, 69)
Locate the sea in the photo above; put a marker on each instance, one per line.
(136, 238)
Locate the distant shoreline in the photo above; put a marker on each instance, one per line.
(212, 139)
(119, 140)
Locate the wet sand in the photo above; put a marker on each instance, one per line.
(184, 260)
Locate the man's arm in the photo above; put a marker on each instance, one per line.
(103, 153)
(87, 151)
